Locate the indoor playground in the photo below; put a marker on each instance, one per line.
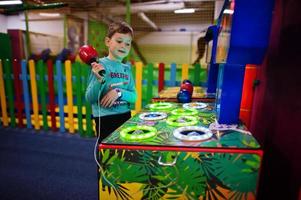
(215, 113)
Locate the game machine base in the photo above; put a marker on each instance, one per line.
(170, 95)
(178, 151)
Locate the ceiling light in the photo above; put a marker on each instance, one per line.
(50, 14)
(10, 2)
(228, 11)
(185, 10)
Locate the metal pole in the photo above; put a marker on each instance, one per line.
(27, 38)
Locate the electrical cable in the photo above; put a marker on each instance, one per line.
(101, 171)
(98, 132)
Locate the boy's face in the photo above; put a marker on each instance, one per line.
(119, 45)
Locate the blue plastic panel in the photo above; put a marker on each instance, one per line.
(248, 43)
(250, 31)
(212, 78)
(229, 87)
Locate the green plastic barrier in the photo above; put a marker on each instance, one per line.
(197, 71)
(42, 91)
(89, 130)
(78, 92)
(7, 65)
(150, 78)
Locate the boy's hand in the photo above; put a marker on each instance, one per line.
(109, 99)
(96, 68)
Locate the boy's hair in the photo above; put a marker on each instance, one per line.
(119, 27)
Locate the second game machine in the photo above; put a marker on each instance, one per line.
(196, 93)
(213, 57)
(187, 92)
(173, 150)
(170, 94)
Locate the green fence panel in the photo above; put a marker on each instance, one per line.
(150, 78)
(79, 94)
(197, 72)
(9, 90)
(89, 123)
(42, 86)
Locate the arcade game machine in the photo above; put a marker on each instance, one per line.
(175, 150)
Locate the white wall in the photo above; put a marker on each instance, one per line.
(50, 27)
(197, 27)
(3, 24)
(179, 47)
(44, 32)
(163, 38)
(168, 47)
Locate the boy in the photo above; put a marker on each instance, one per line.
(111, 94)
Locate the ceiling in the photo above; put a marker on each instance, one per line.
(146, 15)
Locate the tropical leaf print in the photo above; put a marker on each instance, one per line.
(230, 176)
(195, 175)
(216, 192)
(109, 184)
(234, 195)
(149, 160)
(109, 178)
(234, 139)
(188, 177)
(236, 171)
(128, 172)
(161, 137)
(154, 191)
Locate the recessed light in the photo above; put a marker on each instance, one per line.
(50, 14)
(185, 10)
(228, 11)
(10, 2)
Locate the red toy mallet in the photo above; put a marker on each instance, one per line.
(88, 55)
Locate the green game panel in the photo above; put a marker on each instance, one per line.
(177, 151)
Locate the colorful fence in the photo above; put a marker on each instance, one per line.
(50, 95)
